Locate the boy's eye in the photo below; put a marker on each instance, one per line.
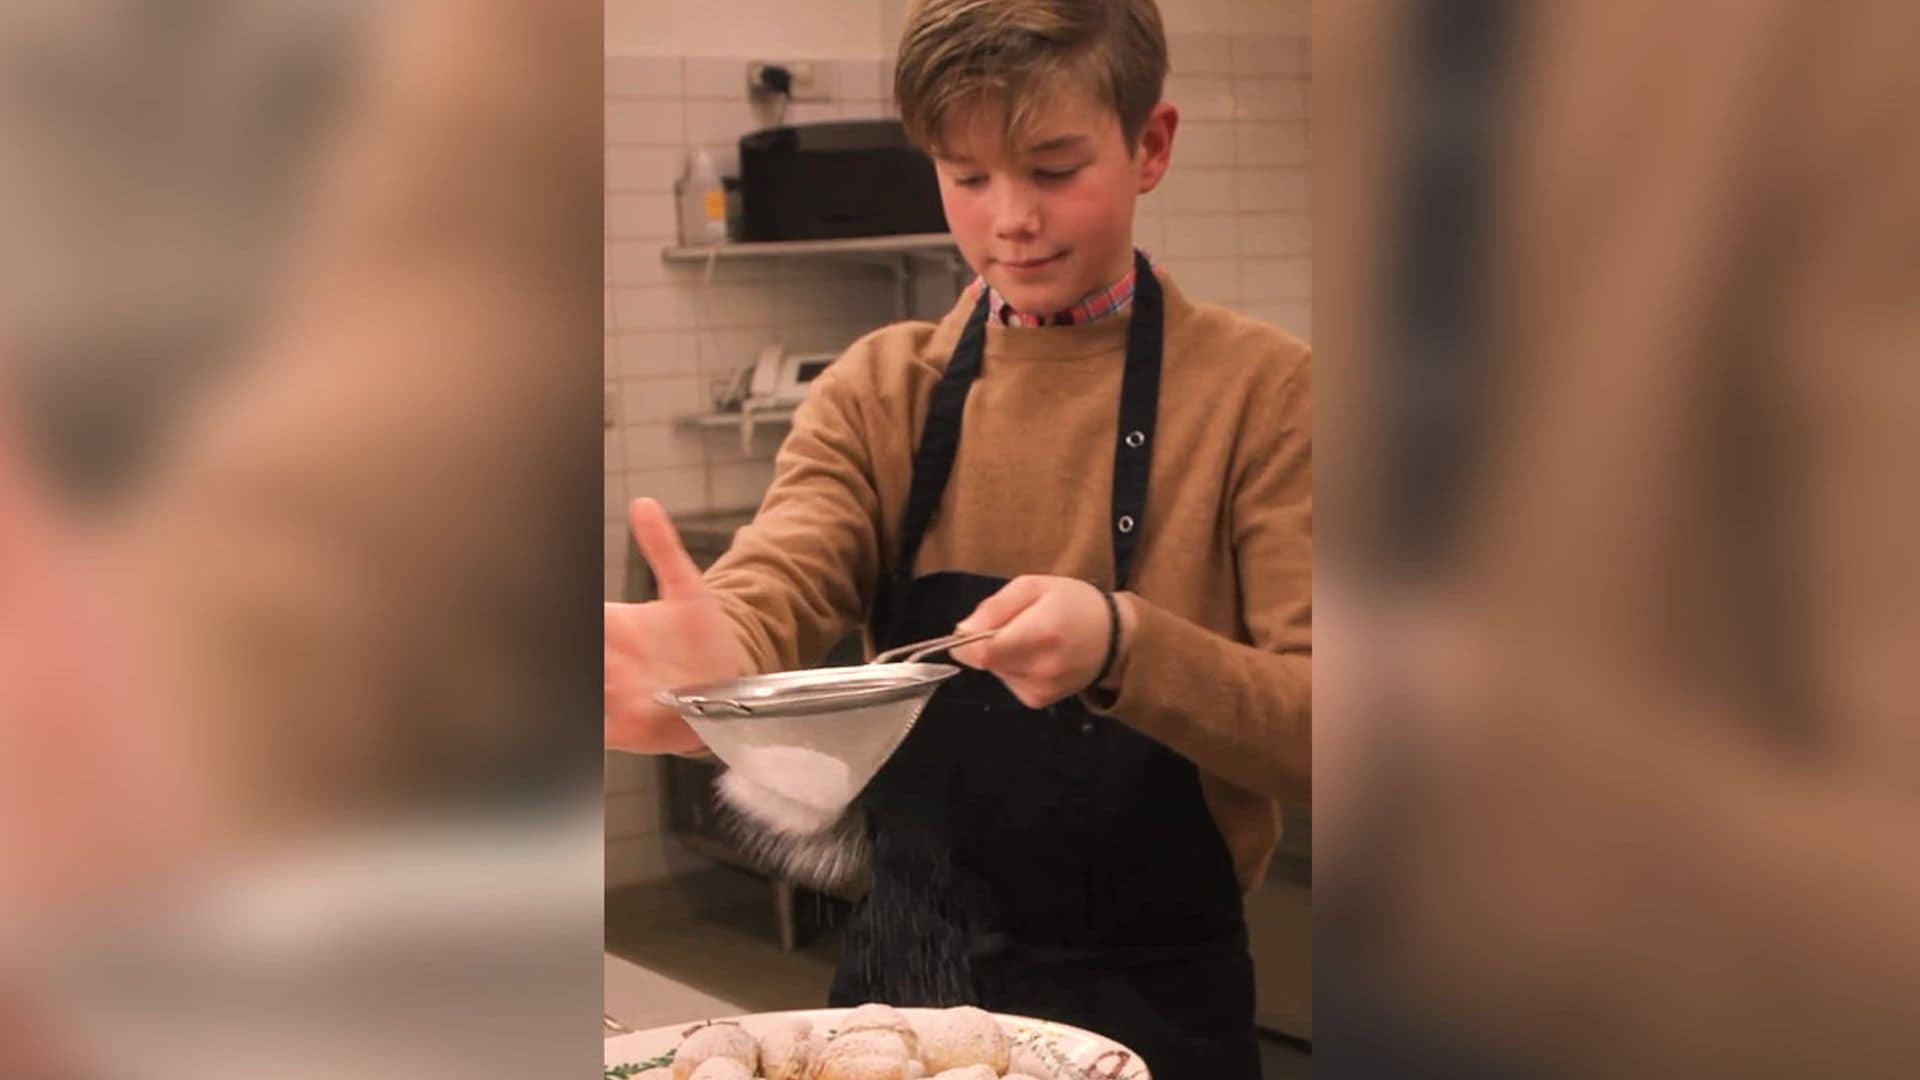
(1056, 174)
(969, 181)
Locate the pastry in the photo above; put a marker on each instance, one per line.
(871, 1054)
(968, 1072)
(958, 1037)
(715, 1041)
(875, 1016)
(788, 1049)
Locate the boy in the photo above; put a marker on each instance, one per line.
(1113, 476)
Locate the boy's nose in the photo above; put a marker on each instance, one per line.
(1016, 214)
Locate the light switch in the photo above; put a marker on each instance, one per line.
(812, 79)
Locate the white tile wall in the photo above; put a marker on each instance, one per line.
(1230, 219)
(1202, 97)
(1275, 234)
(633, 814)
(643, 123)
(1201, 54)
(1231, 222)
(641, 168)
(1269, 99)
(1208, 278)
(674, 329)
(1259, 145)
(661, 401)
(1265, 190)
(1206, 144)
(681, 489)
(651, 857)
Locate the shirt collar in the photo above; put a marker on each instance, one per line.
(1096, 305)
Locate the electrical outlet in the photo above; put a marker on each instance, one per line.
(812, 79)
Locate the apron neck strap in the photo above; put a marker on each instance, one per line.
(1139, 407)
(1133, 450)
(940, 437)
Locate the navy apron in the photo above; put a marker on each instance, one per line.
(1047, 862)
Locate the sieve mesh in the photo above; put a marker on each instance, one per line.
(815, 737)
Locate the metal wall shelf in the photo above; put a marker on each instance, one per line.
(747, 420)
(894, 253)
(734, 418)
(897, 254)
(909, 244)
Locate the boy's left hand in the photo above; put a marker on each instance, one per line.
(1053, 634)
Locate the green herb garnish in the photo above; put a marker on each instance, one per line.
(622, 1072)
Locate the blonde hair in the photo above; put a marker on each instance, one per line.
(957, 54)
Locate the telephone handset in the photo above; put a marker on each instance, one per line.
(779, 380)
(766, 374)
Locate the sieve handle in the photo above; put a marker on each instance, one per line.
(913, 652)
(705, 706)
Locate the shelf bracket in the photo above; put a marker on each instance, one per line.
(748, 419)
(907, 295)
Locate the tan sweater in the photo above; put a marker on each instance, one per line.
(1219, 666)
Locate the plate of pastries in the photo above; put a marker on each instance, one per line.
(872, 1042)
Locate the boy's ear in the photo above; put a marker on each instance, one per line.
(1156, 144)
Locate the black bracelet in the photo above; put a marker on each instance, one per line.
(1113, 640)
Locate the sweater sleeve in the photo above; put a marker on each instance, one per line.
(1243, 711)
(799, 576)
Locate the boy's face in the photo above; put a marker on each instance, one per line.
(1049, 221)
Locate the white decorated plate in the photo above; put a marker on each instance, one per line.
(1063, 1051)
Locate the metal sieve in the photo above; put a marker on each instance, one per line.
(817, 736)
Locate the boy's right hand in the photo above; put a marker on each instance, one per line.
(681, 639)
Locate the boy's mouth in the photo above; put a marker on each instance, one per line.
(1024, 266)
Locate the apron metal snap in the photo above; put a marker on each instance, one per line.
(1125, 524)
(1136, 439)
(1086, 726)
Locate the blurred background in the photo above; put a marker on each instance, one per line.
(298, 393)
(164, 155)
(694, 926)
(1616, 306)
(1232, 221)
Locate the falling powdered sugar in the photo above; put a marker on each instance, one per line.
(821, 849)
(789, 789)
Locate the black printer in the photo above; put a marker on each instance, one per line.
(835, 180)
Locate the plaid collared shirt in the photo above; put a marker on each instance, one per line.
(1096, 305)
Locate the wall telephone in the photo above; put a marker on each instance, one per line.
(779, 380)
(775, 380)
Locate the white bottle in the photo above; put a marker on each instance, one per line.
(703, 202)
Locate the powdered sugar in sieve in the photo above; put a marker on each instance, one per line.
(814, 788)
